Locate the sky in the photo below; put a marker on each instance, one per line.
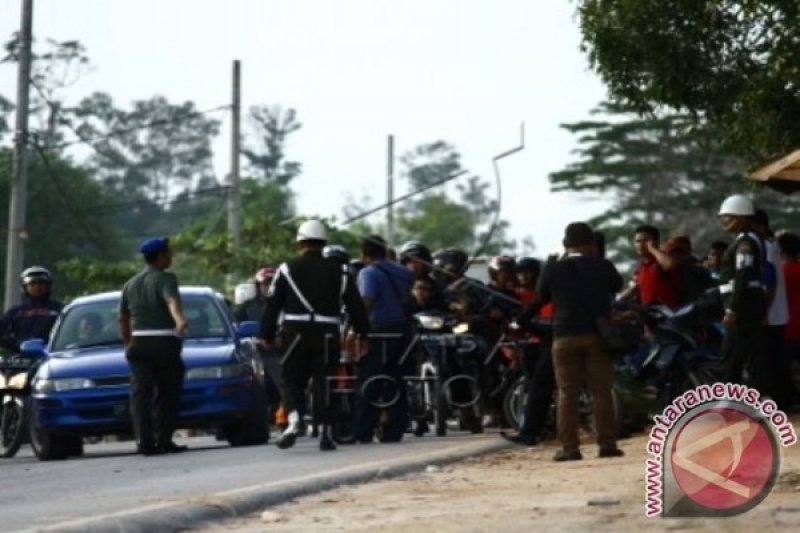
(468, 72)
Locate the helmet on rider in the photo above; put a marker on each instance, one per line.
(36, 282)
(264, 275)
(528, 264)
(336, 251)
(35, 274)
(450, 261)
(502, 263)
(414, 250)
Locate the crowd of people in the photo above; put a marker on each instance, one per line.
(313, 304)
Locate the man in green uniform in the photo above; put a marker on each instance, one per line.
(742, 293)
(151, 322)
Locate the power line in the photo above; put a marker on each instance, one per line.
(90, 142)
(65, 197)
(146, 125)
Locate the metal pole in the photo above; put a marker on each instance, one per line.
(15, 257)
(234, 199)
(390, 194)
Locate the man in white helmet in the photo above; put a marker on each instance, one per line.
(743, 295)
(310, 291)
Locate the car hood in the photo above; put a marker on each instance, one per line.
(110, 361)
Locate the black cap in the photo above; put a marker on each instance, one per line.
(578, 234)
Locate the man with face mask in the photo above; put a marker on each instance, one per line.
(743, 295)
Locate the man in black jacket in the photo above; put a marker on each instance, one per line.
(310, 291)
(581, 286)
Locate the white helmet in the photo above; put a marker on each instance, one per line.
(312, 230)
(244, 292)
(738, 205)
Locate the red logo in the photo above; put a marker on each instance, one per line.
(725, 459)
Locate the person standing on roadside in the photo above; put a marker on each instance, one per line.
(580, 286)
(385, 287)
(151, 323)
(310, 291)
(742, 277)
(656, 280)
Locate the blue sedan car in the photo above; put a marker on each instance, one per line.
(82, 388)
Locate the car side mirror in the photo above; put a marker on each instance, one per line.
(32, 348)
(249, 328)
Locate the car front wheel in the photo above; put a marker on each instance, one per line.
(253, 428)
(50, 445)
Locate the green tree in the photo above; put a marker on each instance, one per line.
(61, 220)
(439, 219)
(271, 125)
(154, 150)
(733, 63)
(665, 170)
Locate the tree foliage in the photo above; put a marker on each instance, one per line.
(443, 220)
(61, 219)
(266, 160)
(733, 63)
(665, 170)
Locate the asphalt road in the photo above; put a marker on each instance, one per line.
(110, 480)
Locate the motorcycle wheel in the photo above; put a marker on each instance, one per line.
(13, 426)
(514, 402)
(705, 373)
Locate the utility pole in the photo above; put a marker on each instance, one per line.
(234, 198)
(390, 194)
(15, 252)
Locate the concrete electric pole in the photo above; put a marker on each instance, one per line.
(234, 198)
(15, 251)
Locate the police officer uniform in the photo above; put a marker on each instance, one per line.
(743, 295)
(309, 291)
(149, 329)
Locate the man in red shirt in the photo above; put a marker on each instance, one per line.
(656, 281)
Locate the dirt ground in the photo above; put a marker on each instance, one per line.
(519, 489)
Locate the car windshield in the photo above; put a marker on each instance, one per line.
(95, 323)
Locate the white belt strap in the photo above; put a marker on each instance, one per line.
(284, 269)
(310, 318)
(728, 287)
(153, 333)
(345, 273)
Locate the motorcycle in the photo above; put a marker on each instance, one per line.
(447, 382)
(685, 347)
(16, 371)
(631, 406)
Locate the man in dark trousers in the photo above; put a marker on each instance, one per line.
(385, 287)
(580, 286)
(310, 290)
(151, 323)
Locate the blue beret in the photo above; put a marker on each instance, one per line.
(154, 245)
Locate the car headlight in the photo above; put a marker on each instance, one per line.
(61, 385)
(214, 372)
